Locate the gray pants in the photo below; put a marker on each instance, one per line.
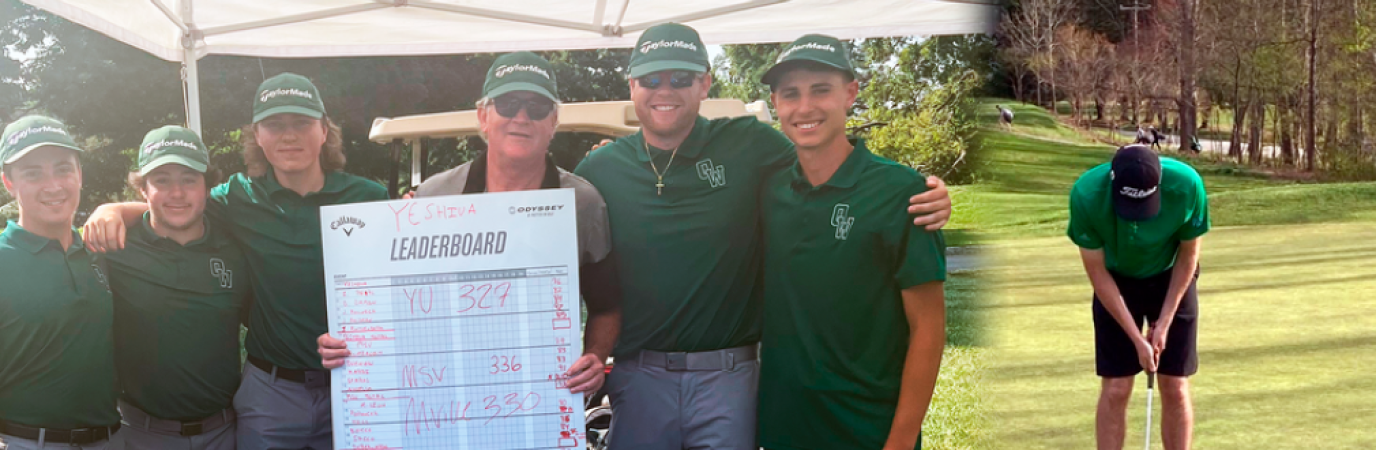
(277, 414)
(142, 431)
(15, 443)
(654, 408)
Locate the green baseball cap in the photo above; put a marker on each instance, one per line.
(287, 93)
(172, 145)
(520, 71)
(31, 132)
(811, 49)
(668, 46)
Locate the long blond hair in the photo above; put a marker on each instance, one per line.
(331, 154)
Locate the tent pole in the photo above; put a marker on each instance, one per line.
(193, 91)
(416, 159)
(190, 71)
(392, 184)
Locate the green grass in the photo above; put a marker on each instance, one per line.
(1287, 328)
(1287, 338)
(1031, 169)
(958, 417)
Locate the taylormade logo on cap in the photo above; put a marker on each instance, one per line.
(503, 71)
(809, 45)
(27, 131)
(1132, 192)
(268, 95)
(648, 46)
(150, 148)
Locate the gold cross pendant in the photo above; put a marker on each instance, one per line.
(659, 187)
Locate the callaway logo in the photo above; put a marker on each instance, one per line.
(347, 223)
(710, 173)
(218, 270)
(43, 129)
(503, 71)
(809, 45)
(841, 219)
(147, 150)
(268, 95)
(646, 47)
(1132, 192)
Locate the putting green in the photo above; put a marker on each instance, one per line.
(1287, 340)
(1287, 333)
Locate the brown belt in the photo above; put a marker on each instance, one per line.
(78, 436)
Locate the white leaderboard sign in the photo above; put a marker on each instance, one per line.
(462, 315)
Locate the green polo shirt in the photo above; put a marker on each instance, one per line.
(837, 258)
(57, 362)
(280, 235)
(690, 258)
(177, 314)
(1145, 248)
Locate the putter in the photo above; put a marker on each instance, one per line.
(1151, 378)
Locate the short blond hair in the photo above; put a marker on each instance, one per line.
(331, 154)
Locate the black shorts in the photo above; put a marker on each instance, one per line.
(1114, 353)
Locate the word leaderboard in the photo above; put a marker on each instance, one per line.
(465, 352)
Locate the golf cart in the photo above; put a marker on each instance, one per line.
(611, 119)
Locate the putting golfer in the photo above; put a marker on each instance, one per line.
(854, 321)
(57, 367)
(295, 155)
(1138, 222)
(683, 199)
(517, 115)
(181, 288)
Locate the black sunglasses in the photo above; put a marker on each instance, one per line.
(510, 106)
(678, 79)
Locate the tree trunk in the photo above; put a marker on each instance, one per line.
(1235, 142)
(1098, 108)
(1287, 145)
(1310, 152)
(1255, 143)
(1186, 104)
(1018, 78)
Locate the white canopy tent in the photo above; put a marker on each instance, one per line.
(187, 30)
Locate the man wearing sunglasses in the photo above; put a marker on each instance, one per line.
(683, 197)
(517, 116)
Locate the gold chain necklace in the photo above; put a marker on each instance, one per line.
(659, 184)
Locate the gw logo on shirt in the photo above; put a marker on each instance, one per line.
(218, 270)
(840, 218)
(714, 174)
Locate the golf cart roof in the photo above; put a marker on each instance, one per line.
(615, 118)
